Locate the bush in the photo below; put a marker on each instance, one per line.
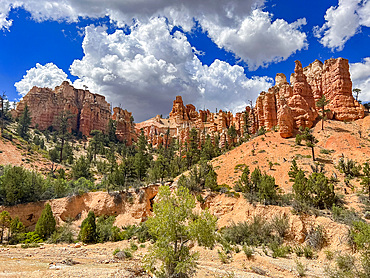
(32, 237)
(104, 228)
(308, 252)
(301, 268)
(248, 251)
(281, 225)
(349, 167)
(224, 257)
(298, 139)
(316, 191)
(344, 216)
(62, 234)
(254, 234)
(299, 251)
(279, 250)
(124, 254)
(317, 237)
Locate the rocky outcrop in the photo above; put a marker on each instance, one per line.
(125, 127)
(91, 111)
(295, 103)
(337, 87)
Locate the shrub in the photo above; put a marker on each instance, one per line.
(349, 167)
(248, 251)
(299, 251)
(124, 254)
(255, 233)
(133, 246)
(104, 228)
(308, 252)
(298, 139)
(224, 257)
(172, 213)
(62, 234)
(301, 268)
(32, 237)
(315, 191)
(344, 216)
(46, 224)
(279, 250)
(317, 237)
(281, 225)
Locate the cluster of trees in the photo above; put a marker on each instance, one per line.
(19, 185)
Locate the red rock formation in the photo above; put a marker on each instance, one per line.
(285, 119)
(288, 106)
(331, 79)
(91, 110)
(337, 88)
(125, 130)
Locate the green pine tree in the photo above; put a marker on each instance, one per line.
(24, 123)
(88, 229)
(46, 224)
(5, 221)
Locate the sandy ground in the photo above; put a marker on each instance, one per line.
(97, 261)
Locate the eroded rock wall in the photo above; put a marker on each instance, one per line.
(90, 111)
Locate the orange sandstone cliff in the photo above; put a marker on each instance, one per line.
(91, 111)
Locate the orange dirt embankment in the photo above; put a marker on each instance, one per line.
(129, 208)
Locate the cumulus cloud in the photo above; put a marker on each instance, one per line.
(360, 74)
(239, 26)
(179, 11)
(144, 71)
(258, 40)
(48, 76)
(343, 22)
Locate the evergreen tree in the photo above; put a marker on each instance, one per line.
(16, 231)
(192, 154)
(316, 190)
(112, 127)
(365, 180)
(356, 91)
(232, 134)
(63, 122)
(247, 123)
(310, 141)
(88, 229)
(24, 123)
(211, 179)
(96, 144)
(81, 169)
(46, 224)
(5, 221)
(142, 157)
(321, 103)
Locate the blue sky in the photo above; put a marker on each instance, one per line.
(141, 54)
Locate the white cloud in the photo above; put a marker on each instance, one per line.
(48, 76)
(343, 22)
(239, 26)
(145, 70)
(179, 11)
(360, 74)
(258, 40)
